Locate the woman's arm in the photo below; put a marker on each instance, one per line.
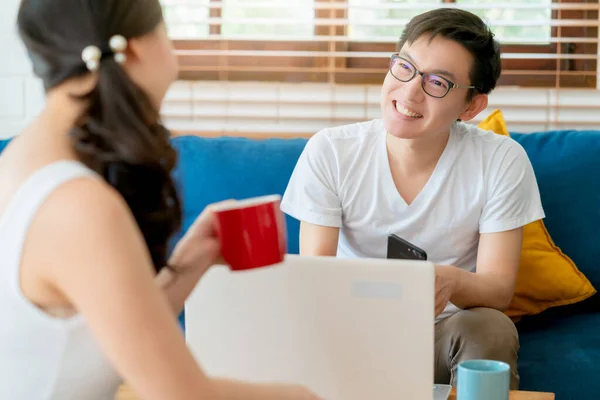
(98, 260)
(196, 251)
(177, 285)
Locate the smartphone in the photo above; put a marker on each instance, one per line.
(399, 248)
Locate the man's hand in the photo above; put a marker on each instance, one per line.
(445, 286)
(492, 285)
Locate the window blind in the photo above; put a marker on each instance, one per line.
(545, 43)
(292, 67)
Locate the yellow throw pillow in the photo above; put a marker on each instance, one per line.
(547, 277)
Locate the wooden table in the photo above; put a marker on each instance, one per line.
(127, 394)
(514, 395)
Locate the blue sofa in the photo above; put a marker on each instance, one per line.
(560, 348)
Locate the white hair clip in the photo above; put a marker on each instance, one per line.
(118, 44)
(91, 56)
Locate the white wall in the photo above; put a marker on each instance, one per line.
(275, 107)
(20, 94)
(305, 108)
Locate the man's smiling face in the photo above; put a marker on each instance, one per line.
(409, 112)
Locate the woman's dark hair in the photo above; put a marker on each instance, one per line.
(466, 29)
(120, 135)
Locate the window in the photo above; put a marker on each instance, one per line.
(515, 21)
(187, 19)
(290, 18)
(197, 19)
(545, 43)
(372, 20)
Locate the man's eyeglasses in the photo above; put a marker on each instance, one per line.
(434, 85)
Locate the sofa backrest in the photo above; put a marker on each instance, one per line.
(565, 163)
(215, 169)
(3, 144)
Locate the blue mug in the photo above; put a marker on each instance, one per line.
(483, 380)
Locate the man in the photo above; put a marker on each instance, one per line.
(460, 193)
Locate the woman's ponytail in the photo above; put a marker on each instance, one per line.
(120, 137)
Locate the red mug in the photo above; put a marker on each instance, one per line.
(252, 232)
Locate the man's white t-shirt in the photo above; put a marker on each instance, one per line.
(483, 183)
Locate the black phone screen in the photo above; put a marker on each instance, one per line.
(401, 249)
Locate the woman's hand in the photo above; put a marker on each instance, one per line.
(199, 248)
(194, 254)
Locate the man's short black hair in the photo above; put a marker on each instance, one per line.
(471, 32)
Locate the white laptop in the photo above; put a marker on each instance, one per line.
(349, 329)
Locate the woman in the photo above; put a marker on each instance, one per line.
(87, 206)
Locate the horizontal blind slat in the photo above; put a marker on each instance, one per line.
(357, 54)
(302, 40)
(386, 6)
(379, 22)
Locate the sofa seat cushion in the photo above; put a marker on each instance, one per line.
(561, 354)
